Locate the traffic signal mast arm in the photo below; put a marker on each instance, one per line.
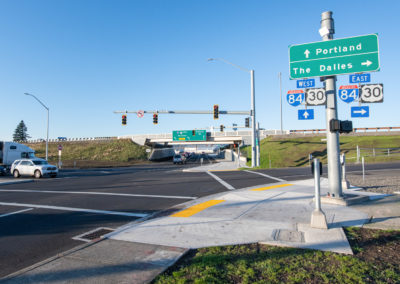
(187, 112)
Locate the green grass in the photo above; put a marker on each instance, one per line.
(294, 152)
(268, 264)
(121, 150)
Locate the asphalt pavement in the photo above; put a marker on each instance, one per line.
(158, 215)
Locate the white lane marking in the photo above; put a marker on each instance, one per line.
(261, 174)
(227, 185)
(16, 212)
(99, 193)
(75, 209)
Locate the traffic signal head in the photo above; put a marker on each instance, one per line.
(124, 119)
(221, 128)
(247, 122)
(216, 112)
(193, 132)
(155, 118)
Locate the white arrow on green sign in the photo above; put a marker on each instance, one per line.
(334, 57)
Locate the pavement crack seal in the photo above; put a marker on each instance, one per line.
(196, 208)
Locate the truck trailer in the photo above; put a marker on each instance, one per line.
(11, 151)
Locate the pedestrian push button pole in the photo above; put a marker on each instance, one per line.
(318, 219)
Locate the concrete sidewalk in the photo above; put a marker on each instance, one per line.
(276, 214)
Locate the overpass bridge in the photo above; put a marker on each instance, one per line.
(213, 137)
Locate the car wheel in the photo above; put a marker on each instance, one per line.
(38, 174)
(16, 174)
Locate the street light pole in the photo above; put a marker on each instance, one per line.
(47, 137)
(280, 89)
(254, 157)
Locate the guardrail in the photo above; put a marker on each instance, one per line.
(74, 139)
(355, 130)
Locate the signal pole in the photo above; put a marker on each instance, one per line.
(333, 149)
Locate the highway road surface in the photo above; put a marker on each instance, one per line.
(43, 218)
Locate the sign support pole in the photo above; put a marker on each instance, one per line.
(335, 187)
(253, 123)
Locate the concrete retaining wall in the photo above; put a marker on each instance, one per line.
(159, 154)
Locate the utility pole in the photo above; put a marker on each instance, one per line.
(335, 187)
(280, 87)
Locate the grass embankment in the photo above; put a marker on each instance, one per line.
(294, 152)
(93, 153)
(375, 260)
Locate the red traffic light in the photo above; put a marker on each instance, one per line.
(124, 119)
(216, 112)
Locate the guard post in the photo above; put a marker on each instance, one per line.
(318, 219)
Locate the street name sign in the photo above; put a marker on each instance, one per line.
(315, 97)
(360, 78)
(334, 57)
(295, 97)
(189, 135)
(305, 114)
(371, 93)
(348, 93)
(308, 83)
(360, 111)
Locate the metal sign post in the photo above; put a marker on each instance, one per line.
(59, 156)
(335, 187)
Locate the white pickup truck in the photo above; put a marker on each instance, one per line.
(11, 151)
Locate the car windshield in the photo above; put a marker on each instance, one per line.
(40, 162)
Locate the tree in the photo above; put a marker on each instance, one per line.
(20, 133)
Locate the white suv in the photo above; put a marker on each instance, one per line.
(33, 167)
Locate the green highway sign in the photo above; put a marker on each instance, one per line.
(189, 135)
(334, 57)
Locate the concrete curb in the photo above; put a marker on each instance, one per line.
(16, 181)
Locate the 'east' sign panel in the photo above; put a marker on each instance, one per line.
(360, 78)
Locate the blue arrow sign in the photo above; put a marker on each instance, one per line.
(308, 83)
(305, 114)
(360, 78)
(360, 111)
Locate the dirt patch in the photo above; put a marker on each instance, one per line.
(376, 246)
(383, 183)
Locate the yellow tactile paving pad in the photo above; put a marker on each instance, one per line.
(196, 208)
(271, 187)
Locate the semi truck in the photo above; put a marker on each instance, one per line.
(11, 151)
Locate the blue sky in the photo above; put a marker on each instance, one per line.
(84, 59)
